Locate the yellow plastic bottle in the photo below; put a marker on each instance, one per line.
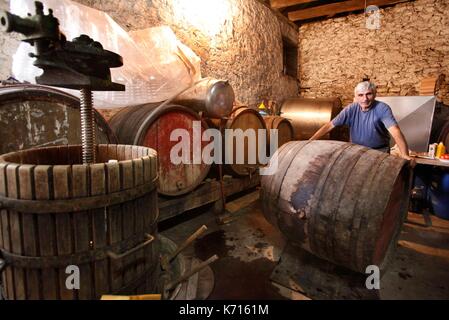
(441, 149)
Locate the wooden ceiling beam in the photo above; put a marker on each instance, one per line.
(281, 4)
(335, 8)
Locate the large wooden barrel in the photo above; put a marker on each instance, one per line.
(241, 118)
(34, 115)
(342, 202)
(284, 127)
(307, 115)
(149, 125)
(57, 212)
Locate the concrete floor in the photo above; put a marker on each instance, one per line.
(249, 249)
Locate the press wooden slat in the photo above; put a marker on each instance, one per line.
(26, 180)
(79, 181)
(142, 152)
(140, 211)
(128, 152)
(127, 174)
(41, 186)
(30, 249)
(127, 179)
(46, 231)
(8, 274)
(114, 224)
(102, 155)
(61, 181)
(15, 229)
(5, 234)
(2, 193)
(147, 168)
(135, 152)
(121, 152)
(139, 208)
(97, 177)
(138, 172)
(112, 151)
(81, 223)
(154, 166)
(16, 243)
(97, 172)
(12, 179)
(155, 208)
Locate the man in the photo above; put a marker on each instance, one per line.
(370, 122)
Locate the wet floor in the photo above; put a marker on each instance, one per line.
(249, 249)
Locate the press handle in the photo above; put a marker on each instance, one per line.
(117, 256)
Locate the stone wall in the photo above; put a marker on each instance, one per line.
(238, 40)
(412, 43)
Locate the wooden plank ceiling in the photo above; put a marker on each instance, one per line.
(303, 11)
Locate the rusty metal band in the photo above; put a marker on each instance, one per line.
(62, 261)
(76, 204)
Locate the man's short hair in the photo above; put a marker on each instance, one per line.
(364, 86)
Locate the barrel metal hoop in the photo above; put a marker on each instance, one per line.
(76, 204)
(62, 261)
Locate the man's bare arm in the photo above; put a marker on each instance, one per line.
(399, 138)
(323, 130)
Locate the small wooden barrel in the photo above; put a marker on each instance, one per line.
(36, 116)
(342, 202)
(284, 127)
(102, 218)
(241, 118)
(151, 126)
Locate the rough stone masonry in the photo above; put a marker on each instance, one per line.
(245, 46)
(411, 43)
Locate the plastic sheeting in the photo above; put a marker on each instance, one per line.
(156, 65)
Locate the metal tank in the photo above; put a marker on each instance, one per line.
(214, 98)
(307, 115)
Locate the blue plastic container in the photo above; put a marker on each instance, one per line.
(439, 195)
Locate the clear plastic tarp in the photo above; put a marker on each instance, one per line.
(157, 66)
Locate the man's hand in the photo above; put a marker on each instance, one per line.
(399, 138)
(406, 157)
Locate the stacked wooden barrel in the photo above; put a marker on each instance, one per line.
(285, 129)
(57, 214)
(151, 125)
(342, 202)
(239, 121)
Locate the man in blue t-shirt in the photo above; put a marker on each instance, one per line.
(370, 121)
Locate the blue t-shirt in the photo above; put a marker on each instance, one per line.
(367, 128)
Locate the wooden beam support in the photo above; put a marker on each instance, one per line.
(340, 7)
(280, 4)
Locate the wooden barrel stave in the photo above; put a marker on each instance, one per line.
(342, 202)
(52, 234)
